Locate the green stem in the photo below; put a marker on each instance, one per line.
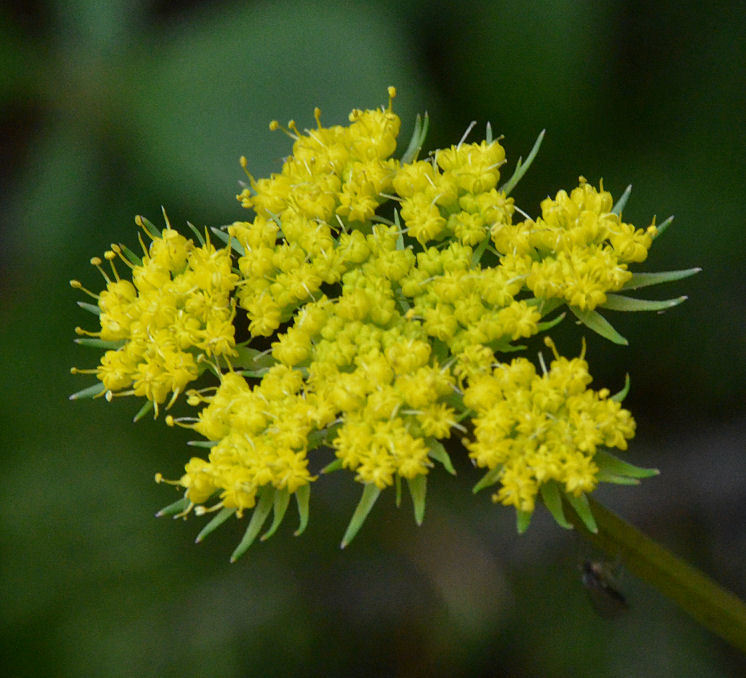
(711, 605)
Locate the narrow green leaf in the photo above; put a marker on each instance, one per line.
(411, 149)
(553, 501)
(438, 452)
(582, 508)
(418, 489)
(150, 228)
(489, 478)
(608, 463)
(595, 321)
(218, 519)
(476, 255)
(280, 505)
(397, 487)
(521, 168)
(621, 395)
(90, 392)
(619, 206)
(259, 515)
(662, 227)
(421, 125)
(202, 443)
(504, 346)
(99, 343)
(616, 480)
(220, 234)
(618, 302)
(302, 495)
(523, 520)
(370, 495)
(177, 507)
(91, 308)
(639, 280)
(549, 324)
(130, 255)
(228, 240)
(200, 238)
(332, 466)
(145, 409)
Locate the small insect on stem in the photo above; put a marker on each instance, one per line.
(602, 589)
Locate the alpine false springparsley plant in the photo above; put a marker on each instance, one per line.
(392, 294)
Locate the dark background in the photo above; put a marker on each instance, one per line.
(115, 108)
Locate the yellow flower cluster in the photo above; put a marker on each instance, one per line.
(335, 179)
(176, 311)
(261, 437)
(390, 290)
(455, 194)
(541, 428)
(578, 250)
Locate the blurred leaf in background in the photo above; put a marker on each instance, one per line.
(113, 109)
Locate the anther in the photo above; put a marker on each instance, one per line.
(550, 344)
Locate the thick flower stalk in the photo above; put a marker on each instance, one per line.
(370, 308)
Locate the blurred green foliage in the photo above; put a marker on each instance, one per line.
(116, 108)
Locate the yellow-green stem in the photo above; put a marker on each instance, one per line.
(711, 605)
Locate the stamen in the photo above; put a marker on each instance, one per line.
(96, 261)
(77, 370)
(392, 95)
(141, 222)
(165, 218)
(291, 130)
(76, 285)
(548, 341)
(244, 165)
(542, 363)
(201, 510)
(466, 134)
(110, 255)
(85, 333)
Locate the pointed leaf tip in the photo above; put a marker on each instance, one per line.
(302, 496)
(618, 302)
(550, 493)
(280, 505)
(593, 320)
(639, 280)
(216, 522)
(90, 392)
(261, 511)
(582, 508)
(523, 520)
(619, 206)
(370, 495)
(489, 478)
(418, 490)
(438, 452)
